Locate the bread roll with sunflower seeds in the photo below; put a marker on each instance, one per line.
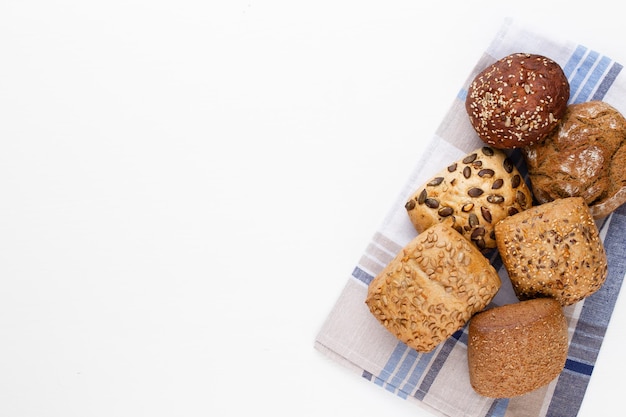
(472, 195)
(432, 287)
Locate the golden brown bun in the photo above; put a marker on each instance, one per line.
(518, 100)
(432, 288)
(472, 194)
(584, 157)
(553, 250)
(516, 348)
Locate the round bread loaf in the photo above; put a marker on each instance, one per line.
(472, 195)
(518, 100)
(585, 156)
(432, 288)
(553, 250)
(516, 348)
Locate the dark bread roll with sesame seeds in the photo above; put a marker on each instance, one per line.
(517, 101)
(553, 250)
(585, 156)
(472, 195)
(432, 287)
(516, 348)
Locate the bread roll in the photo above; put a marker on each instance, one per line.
(553, 250)
(516, 348)
(472, 195)
(432, 287)
(518, 100)
(584, 157)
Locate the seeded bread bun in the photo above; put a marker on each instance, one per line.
(472, 195)
(432, 288)
(518, 100)
(553, 250)
(516, 348)
(585, 156)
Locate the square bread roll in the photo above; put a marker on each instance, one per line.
(432, 288)
(553, 250)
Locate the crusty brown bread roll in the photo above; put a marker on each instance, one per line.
(518, 100)
(432, 288)
(585, 156)
(516, 348)
(472, 195)
(553, 250)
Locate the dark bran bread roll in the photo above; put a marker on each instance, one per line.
(432, 288)
(516, 348)
(518, 100)
(585, 156)
(472, 194)
(553, 250)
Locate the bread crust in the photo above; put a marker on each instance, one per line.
(518, 100)
(516, 348)
(585, 156)
(432, 288)
(553, 250)
(472, 195)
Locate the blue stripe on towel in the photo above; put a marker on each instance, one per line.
(498, 408)
(581, 72)
(593, 80)
(607, 82)
(391, 364)
(422, 363)
(405, 366)
(362, 276)
(578, 367)
(572, 63)
(438, 363)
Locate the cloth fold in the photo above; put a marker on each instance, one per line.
(439, 380)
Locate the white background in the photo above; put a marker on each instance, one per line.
(185, 187)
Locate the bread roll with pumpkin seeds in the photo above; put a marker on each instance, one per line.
(472, 195)
(432, 288)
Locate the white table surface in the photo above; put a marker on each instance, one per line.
(185, 187)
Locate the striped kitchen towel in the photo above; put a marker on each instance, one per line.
(439, 380)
